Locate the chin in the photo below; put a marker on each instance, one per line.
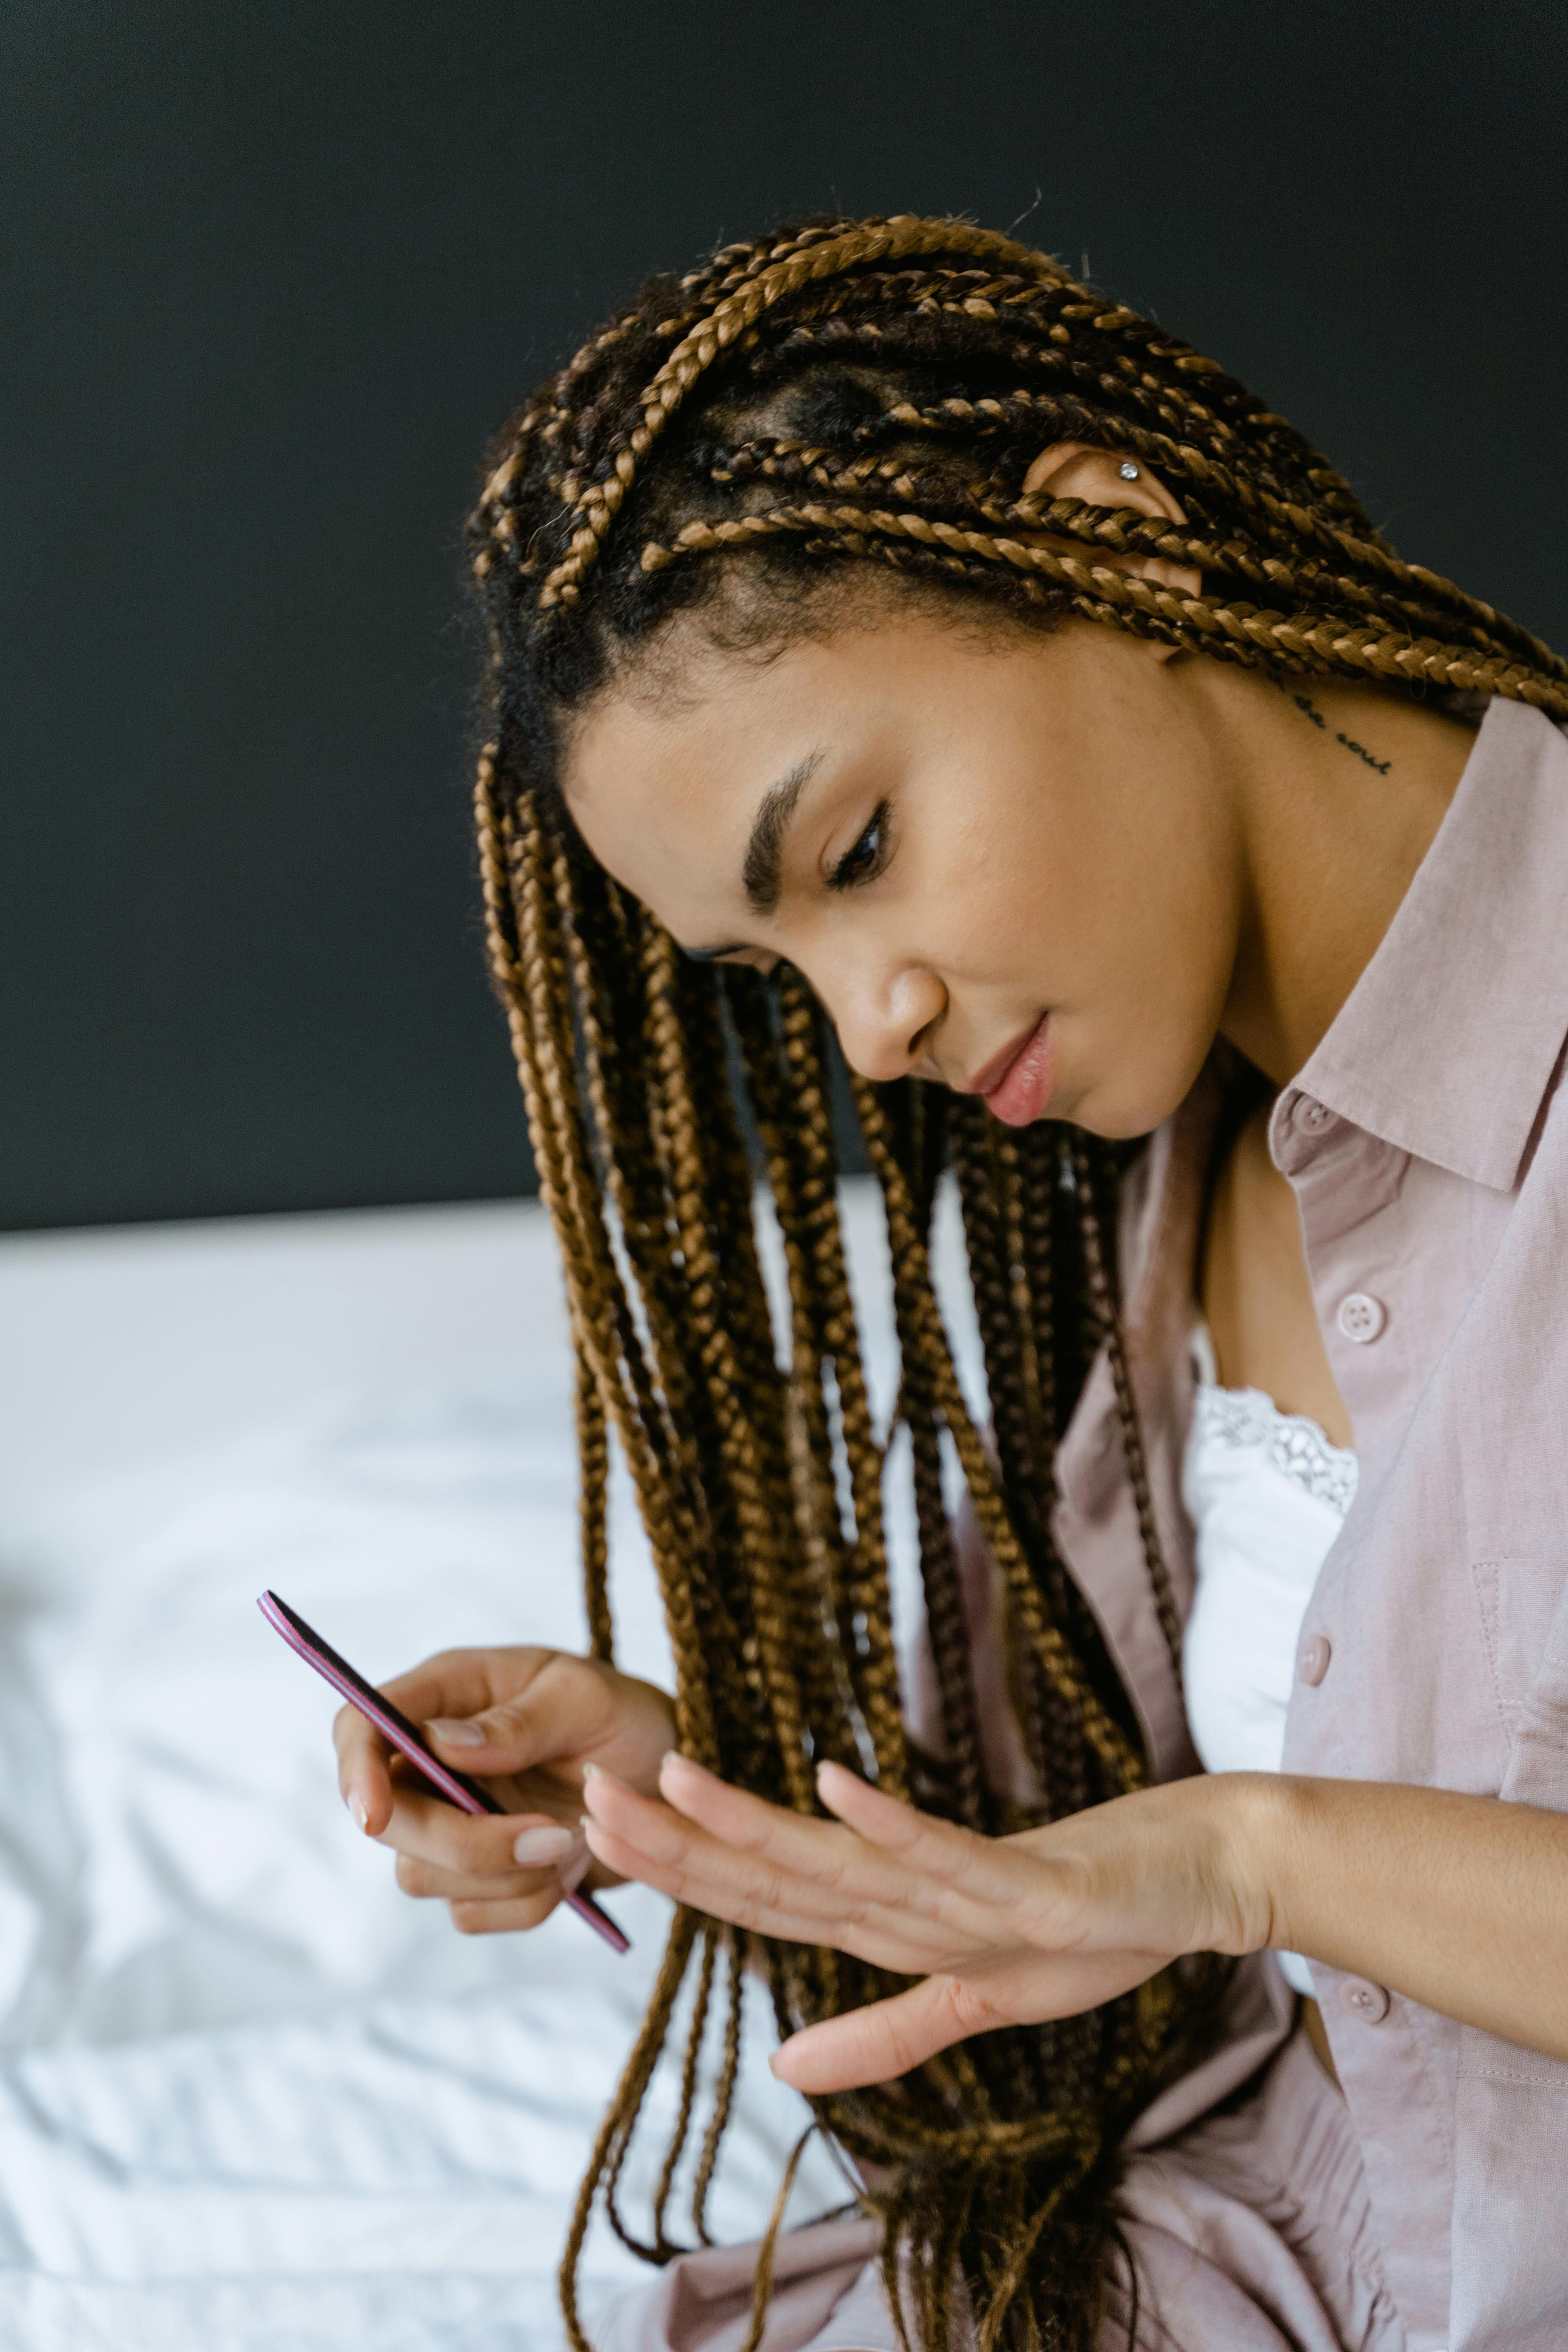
(1133, 1104)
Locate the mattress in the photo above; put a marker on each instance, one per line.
(251, 2096)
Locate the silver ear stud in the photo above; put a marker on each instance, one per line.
(1129, 471)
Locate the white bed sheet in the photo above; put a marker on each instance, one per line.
(251, 2097)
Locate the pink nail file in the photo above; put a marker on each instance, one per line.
(469, 1796)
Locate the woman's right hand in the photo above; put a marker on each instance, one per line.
(526, 1722)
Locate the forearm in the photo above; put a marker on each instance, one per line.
(1461, 1902)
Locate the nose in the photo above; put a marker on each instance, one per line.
(884, 1016)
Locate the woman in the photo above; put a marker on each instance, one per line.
(888, 630)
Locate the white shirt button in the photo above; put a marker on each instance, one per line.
(1361, 1318)
(1313, 1658)
(1365, 1999)
(1313, 1116)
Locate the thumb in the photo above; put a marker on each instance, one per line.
(882, 2041)
(551, 1721)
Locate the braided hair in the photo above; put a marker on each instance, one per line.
(844, 395)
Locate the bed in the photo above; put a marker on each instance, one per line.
(251, 2098)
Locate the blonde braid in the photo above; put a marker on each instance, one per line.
(756, 1491)
(600, 502)
(1234, 631)
(725, 2092)
(1107, 1737)
(566, 1185)
(594, 1453)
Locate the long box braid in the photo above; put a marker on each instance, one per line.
(842, 394)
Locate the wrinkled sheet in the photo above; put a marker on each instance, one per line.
(252, 2099)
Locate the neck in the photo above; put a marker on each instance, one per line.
(1339, 792)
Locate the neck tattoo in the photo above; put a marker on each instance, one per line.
(1310, 712)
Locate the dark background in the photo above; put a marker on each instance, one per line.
(274, 273)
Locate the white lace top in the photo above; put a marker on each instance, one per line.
(1266, 1495)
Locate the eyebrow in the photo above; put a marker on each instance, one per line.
(760, 874)
(764, 851)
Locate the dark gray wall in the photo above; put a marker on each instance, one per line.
(276, 271)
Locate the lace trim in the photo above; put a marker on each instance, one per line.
(1292, 1445)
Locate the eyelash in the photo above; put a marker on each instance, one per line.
(852, 870)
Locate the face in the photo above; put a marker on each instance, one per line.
(1008, 864)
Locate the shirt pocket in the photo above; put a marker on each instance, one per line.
(1510, 2116)
(1524, 1613)
(1510, 2188)
(1523, 1603)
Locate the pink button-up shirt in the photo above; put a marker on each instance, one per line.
(1426, 1141)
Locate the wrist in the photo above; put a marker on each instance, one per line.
(1255, 1832)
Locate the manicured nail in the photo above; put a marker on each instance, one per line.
(674, 1755)
(357, 1808)
(536, 1849)
(574, 1873)
(452, 1733)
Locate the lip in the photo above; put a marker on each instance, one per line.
(1017, 1082)
(991, 1074)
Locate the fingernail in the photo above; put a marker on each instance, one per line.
(572, 1874)
(674, 1755)
(536, 1848)
(456, 1734)
(357, 1810)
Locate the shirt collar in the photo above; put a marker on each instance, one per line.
(1447, 1042)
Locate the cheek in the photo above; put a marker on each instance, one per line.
(1006, 874)
(1144, 945)
(1149, 1026)
(1153, 874)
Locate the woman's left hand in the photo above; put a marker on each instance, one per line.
(1001, 1931)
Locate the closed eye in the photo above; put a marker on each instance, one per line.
(865, 859)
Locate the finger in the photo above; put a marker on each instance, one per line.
(810, 1850)
(886, 2037)
(365, 1777)
(884, 2040)
(558, 1710)
(670, 1840)
(910, 1866)
(683, 1862)
(462, 1683)
(511, 1917)
(426, 1880)
(472, 1845)
(458, 1682)
(986, 1870)
(709, 1890)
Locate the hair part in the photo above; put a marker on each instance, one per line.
(846, 410)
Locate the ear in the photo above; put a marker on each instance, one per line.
(1080, 469)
